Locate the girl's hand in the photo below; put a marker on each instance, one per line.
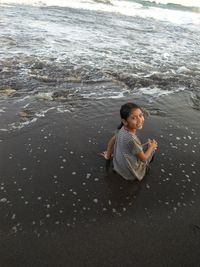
(153, 144)
(105, 155)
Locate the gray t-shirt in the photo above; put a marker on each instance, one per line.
(125, 161)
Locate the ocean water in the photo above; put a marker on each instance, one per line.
(57, 55)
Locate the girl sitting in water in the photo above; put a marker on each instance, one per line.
(129, 159)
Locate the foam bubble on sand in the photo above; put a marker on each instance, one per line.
(2, 110)
(3, 200)
(14, 229)
(13, 216)
(88, 175)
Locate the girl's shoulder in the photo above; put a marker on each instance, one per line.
(124, 134)
(136, 140)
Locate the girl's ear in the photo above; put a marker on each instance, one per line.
(124, 122)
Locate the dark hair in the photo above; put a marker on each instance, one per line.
(125, 111)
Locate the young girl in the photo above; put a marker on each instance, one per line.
(129, 159)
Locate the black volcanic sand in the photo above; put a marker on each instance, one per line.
(59, 206)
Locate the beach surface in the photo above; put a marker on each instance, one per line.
(66, 67)
(59, 206)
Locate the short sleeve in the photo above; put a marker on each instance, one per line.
(134, 146)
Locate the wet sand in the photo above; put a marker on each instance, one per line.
(59, 206)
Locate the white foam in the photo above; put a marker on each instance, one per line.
(157, 92)
(62, 109)
(44, 96)
(123, 7)
(43, 112)
(178, 2)
(104, 95)
(18, 126)
(22, 99)
(183, 69)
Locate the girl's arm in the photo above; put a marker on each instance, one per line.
(152, 146)
(108, 153)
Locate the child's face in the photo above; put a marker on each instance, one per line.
(135, 120)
